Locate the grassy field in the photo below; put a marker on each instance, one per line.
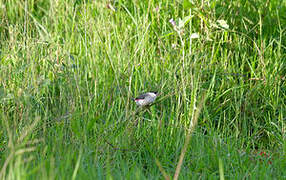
(69, 69)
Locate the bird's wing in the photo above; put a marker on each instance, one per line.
(143, 96)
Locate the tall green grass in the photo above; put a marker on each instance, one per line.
(68, 71)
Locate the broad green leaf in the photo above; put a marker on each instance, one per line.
(187, 5)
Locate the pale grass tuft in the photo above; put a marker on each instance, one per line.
(188, 137)
(14, 159)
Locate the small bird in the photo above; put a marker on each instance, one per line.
(146, 99)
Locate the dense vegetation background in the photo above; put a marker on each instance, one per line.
(68, 71)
